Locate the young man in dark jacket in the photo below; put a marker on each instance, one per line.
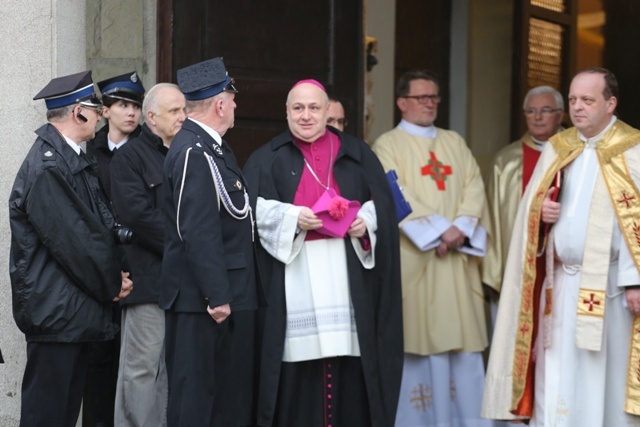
(65, 265)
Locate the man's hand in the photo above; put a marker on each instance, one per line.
(219, 313)
(633, 300)
(441, 250)
(358, 228)
(453, 237)
(550, 209)
(307, 220)
(126, 287)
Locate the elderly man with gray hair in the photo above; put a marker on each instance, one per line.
(513, 165)
(136, 190)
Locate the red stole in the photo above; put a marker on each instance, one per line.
(530, 157)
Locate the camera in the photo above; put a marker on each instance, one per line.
(123, 235)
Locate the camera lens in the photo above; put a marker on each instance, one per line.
(123, 235)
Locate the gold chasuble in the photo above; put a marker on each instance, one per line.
(443, 305)
(509, 387)
(509, 175)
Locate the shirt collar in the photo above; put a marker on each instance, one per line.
(215, 135)
(74, 146)
(593, 141)
(415, 130)
(113, 145)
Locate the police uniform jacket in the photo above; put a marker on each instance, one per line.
(98, 150)
(64, 263)
(136, 183)
(208, 254)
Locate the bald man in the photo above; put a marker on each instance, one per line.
(333, 328)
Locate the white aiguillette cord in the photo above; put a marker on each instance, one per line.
(326, 187)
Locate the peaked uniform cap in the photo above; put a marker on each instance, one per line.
(68, 90)
(205, 79)
(126, 86)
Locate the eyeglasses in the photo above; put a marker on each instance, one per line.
(333, 121)
(544, 111)
(423, 99)
(98, 110)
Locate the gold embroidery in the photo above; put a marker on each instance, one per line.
(591, 303)
(421, 399)
(632, 395)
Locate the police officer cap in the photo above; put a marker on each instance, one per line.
(205, 79)
(127, 87)
(68, 90)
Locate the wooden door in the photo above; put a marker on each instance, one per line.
(544, 51)
(267, 46)
(423, 42)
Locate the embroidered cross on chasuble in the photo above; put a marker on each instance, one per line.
(437, 171)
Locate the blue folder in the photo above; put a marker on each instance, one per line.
(403, 208)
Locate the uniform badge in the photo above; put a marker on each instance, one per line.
(48, 154)
(198, 145)
(134, 77)
(238, 185)
(217, 149)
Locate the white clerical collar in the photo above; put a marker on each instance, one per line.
(539, 144)
(415, 130)
(215, 135)
(593, 141)
(75, 146)
(113, 145)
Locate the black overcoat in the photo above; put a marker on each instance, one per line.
(136, 183)
(273, 172)
(64, 263)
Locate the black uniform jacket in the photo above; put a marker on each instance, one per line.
(273, 172)
(209, 256)
(98, 150)
(136, 195)
(64, 263)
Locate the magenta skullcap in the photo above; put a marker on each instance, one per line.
(310, 81)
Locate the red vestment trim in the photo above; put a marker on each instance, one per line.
(530, 157)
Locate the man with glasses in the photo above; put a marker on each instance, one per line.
(513, 165)
(443, 306)
(64, 264)
(335, 115)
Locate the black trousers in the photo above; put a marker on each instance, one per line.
(197, 357)
(53, 383)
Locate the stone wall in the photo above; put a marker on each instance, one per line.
(41, 39)
(121, 37)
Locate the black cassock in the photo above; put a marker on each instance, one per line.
(364, 390)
